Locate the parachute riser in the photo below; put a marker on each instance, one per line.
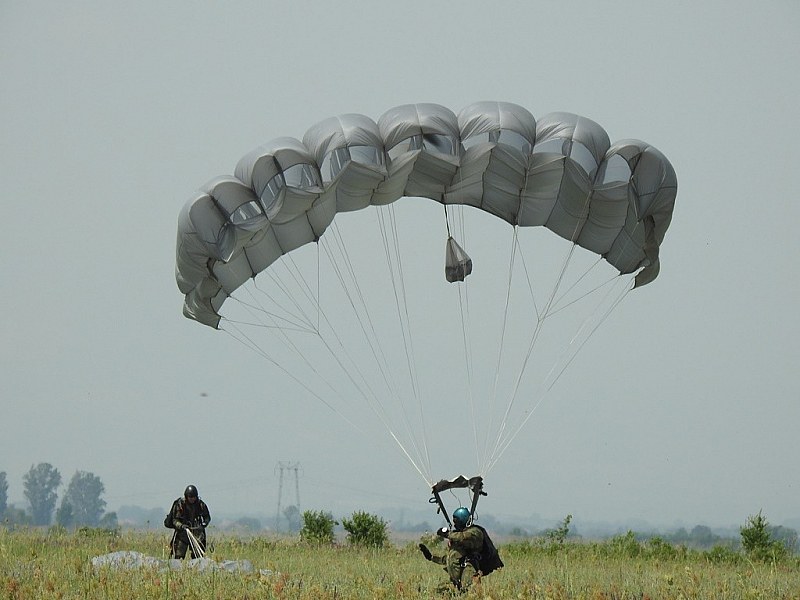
(475, 486)
(477, 492)
(437, 499)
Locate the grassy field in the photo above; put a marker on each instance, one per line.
(41, 565)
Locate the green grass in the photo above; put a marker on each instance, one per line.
(40, 565)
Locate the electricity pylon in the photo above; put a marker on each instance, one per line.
(291, 468)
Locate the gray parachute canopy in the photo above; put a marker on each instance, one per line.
(560, 172)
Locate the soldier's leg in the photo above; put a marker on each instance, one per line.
(179, 549)
(455, 569)
(469, 576)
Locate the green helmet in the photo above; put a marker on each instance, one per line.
(461, 517)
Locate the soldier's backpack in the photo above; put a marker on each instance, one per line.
(489, 559)
(168, 519)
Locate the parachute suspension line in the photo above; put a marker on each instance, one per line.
(301, 282)
(298, 319)
(298, 278)
(541, 317)
(255, 307)
(353, 292)
(575, 284)
(463, 305)
(319, 288)
(502, 444)
(293, 347)
(527, 277)
(362, 386)
(197, 548)
(501, 347)
(248, 342)
(295, 273)
(394, 263)
(582, 296)
(516, 241)
(626, 288)
(370, 336)
(280, 332)
(313, 298)
(547, 387)
(418, 392)
(369, 333)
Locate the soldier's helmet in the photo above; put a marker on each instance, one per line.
(190, 492)
(461, 517)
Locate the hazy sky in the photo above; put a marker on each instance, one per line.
(683, 407)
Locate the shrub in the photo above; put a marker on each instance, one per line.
(317, 527)
(659, 548)
(623, 546)
(560, 533)
(758, 542)
(365, 529)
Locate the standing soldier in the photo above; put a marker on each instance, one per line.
(188, 513)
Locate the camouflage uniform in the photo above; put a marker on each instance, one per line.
(194, 515)
(459, 562)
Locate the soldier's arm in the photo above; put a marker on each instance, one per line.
(176, 516)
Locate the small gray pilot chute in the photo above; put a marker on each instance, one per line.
(457, 264)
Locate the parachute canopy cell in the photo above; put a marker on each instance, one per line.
(560, 172)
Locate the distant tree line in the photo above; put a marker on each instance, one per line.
(81, 505)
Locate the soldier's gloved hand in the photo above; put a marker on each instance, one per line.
(442, 532)
(425, 552)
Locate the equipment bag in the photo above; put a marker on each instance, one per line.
(489, 559)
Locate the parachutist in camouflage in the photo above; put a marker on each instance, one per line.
(188, 513)
(466, 545)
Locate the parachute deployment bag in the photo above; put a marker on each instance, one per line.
(458, 264)
(489, 559)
